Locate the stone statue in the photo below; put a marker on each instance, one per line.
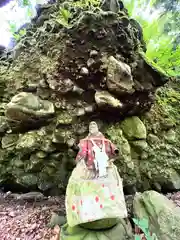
(94, 195)
(96, 151)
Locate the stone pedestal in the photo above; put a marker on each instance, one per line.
(121, 231)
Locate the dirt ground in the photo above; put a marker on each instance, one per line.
(22, 220)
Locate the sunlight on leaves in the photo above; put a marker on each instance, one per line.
(160, 31)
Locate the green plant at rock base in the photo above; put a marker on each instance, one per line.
(144, 226)
(63, 17)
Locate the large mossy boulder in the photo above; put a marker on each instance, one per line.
(162, 214)
(63, 74)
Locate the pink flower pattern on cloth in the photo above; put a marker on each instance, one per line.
(97, 199)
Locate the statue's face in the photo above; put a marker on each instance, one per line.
(93, 128)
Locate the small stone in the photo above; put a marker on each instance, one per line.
(56, 220)
(168, 124)
(64, 119)
(43, 84)
(84, 71)
(9, 140)
(9, 131)
(58, 105)
(89, 109)
(3, 124)
(140, 145)
(67, 86)
(47, 146)
(71, 142)
(119, 77)
(80, 112)
(41, 154)
(34, 164)
(93, 53)
(153, 139)
(90, 62)
(7, 194)
(30, 196)
(61, 136)
(170, 136)
(68, 42)
(78, 90)
(28, 141)
(53, 84)
(12, 214)
(32, 87)
(17, 163)
(104, 98)
(144, 155)
(79, 103)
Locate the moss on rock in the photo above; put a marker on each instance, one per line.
(162, 214)
(133, 128)
(124, 162)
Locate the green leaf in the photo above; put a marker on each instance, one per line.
(26, 3)
(65, 14)
(22, 32)
(12, 27)
(29, 12)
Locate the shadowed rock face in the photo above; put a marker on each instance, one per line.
(118, 67)
(2, 49)
(91, 69)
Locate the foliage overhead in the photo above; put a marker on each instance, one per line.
(160, 24)
(160, 21)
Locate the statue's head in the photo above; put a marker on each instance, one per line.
(93, 128)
